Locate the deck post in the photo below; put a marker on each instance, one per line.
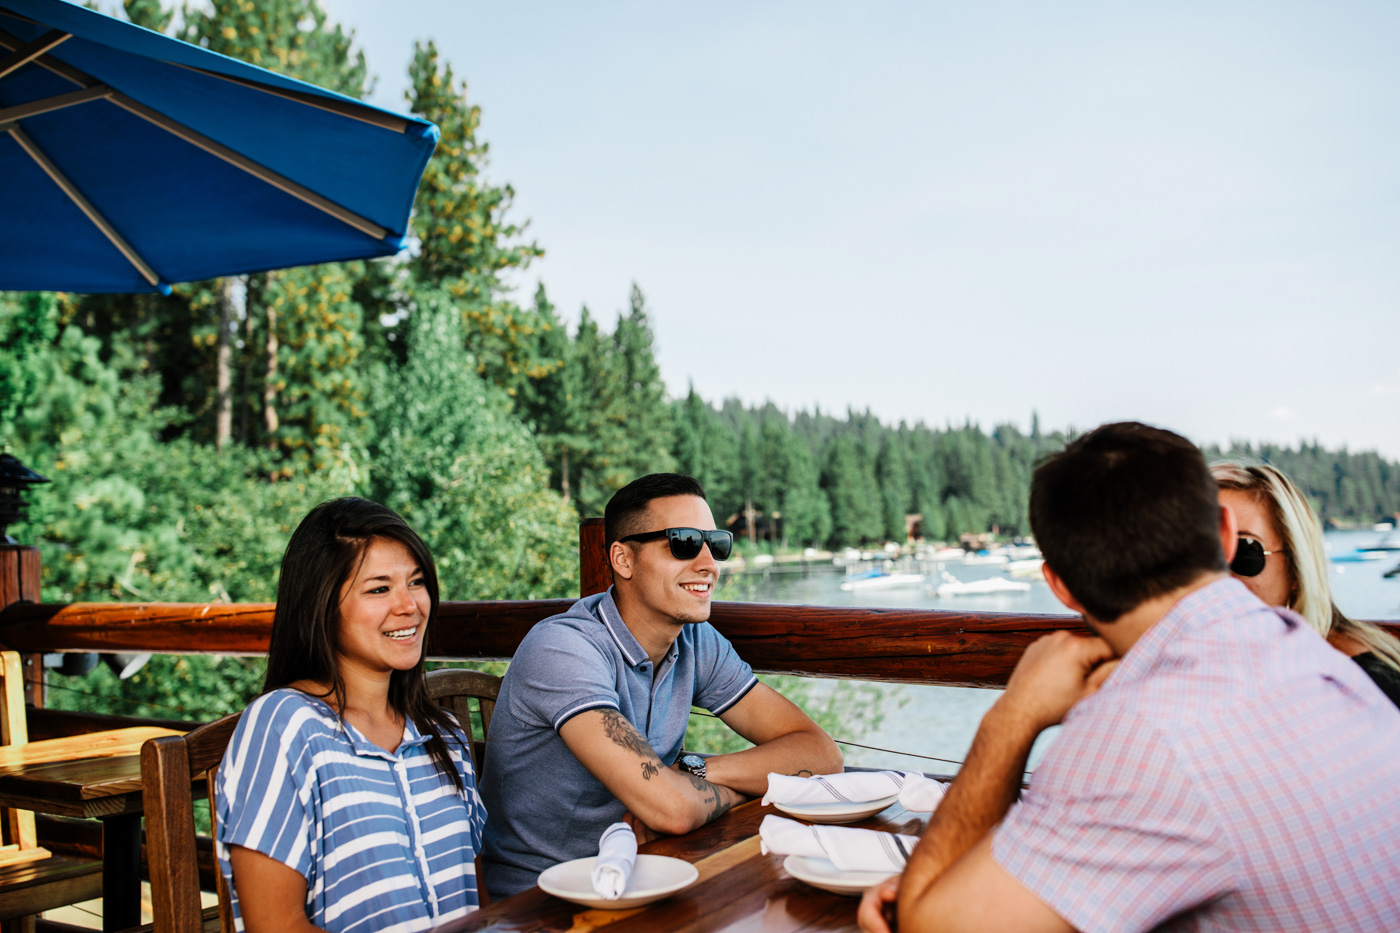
(19, 583)
(594, 572)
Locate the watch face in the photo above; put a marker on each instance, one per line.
(692, 763)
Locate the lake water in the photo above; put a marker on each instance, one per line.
(939, 722)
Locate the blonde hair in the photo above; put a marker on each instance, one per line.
(1301, 533)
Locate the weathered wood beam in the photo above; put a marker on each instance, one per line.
(904, 645)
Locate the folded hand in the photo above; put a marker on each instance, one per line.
(1056, 672)
(877, 907)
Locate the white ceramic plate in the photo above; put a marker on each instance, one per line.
(820, 873)
(653, 877)
(838, 812)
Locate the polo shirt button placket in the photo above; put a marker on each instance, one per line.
(420, 854)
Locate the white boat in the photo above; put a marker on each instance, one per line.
(1027, 567)
(882, 581)
(978, 560)
(982, 587)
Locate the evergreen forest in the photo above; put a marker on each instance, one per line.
(186, 435)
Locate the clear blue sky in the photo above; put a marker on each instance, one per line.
(1177, 211)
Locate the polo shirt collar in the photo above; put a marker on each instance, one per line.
(363, 746)
(627, 643)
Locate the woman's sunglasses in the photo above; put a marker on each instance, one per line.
(686, 542)
(1250, 557)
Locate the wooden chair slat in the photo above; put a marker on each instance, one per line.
(454, 688)
(168, 766)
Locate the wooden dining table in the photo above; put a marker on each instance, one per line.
(739, 889)
(97, 776)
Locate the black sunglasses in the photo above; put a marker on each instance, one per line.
(686, 542)
(1249, 557)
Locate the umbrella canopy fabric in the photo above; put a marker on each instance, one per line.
(130, 160)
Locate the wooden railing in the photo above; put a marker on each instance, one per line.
(905, 645)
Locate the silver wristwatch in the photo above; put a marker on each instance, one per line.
(692, 764)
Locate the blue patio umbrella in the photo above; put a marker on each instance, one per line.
(130, 160)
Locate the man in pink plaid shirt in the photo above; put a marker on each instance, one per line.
(1220, 767)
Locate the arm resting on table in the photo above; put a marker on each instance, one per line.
(619, 756)
(951, 882)
(786, 741)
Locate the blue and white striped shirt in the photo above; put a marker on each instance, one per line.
(383, 839)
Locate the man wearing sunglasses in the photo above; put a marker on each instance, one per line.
(1220, 766)
(589, 725)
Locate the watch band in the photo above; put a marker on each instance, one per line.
(692, 764)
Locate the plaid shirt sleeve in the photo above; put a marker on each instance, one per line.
(1112, 833)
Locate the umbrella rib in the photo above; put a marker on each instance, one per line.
(256, 169)
(344, 108)
(49, 104)
(76, 196)
(27, 53)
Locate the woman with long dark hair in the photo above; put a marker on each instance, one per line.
(347, 800)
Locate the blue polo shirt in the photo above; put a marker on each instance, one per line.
(543, 806)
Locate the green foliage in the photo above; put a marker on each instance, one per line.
(850, 483)
(466, 242)
(846, 709)
(626, 425)
(553, 404)
(421, 382)
(290, 37)
(447, 454)
(707, 450)
(196, 688)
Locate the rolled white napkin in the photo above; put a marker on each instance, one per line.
(922, 794)
(617, 853)
(847, 787)
(848, 849)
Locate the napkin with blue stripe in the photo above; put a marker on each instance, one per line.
(847, 848)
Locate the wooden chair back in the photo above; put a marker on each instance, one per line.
(18, 840)
(168, 767)
(454, 689)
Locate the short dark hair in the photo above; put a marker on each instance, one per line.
(324, 552)
(1126, 513)
(627, 506)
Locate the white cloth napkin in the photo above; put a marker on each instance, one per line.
(617, 853)
(847, 787)
(921, 794)
(848, 849)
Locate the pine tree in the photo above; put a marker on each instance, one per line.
(467, 242)
(892, 472)
(707, 450)
(850, 486)
(649, 427)
(553, 403)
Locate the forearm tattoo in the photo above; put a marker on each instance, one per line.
(713, 796)
(625, 735)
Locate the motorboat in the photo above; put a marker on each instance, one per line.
(877, 580)
(952, 586)
(1026, 567)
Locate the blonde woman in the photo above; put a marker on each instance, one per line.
(1281, 559)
